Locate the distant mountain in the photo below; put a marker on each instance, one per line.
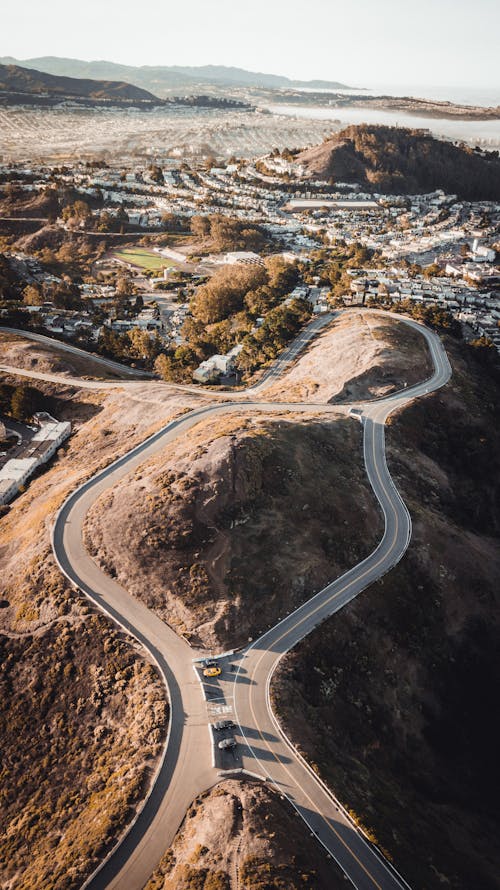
(240, 77)
(393, 160)
(162, 79)
(17, 80)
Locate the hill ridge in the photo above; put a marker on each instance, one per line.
(165, 77)
(16, 79)
(396, 160)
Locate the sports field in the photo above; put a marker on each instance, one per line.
(146, 259)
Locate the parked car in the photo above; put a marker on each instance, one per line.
(223, 724)
(227, 743)
(212, 672)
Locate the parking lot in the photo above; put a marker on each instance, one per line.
(218, 693)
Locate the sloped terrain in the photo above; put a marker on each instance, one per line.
(83, 716)
(241, 834)
(15, 79)
(83, 712)
(29, 355)
(394, 160)
(228, 526)
(361, 356)
(394, 698)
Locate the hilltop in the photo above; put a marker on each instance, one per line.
(393, 160)
(18, 80)
(200, 532)
(243, 829)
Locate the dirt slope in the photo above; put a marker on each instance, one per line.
(228, 526)
(18, 352)
(362, 355)
(406, 678)
(241, 834)
(83, 712)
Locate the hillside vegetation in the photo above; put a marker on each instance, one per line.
(393, 160)
(227, 527)
(82, 711)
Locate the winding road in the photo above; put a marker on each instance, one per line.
(187, 766)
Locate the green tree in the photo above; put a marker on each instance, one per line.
(138, 304)
(156, 174)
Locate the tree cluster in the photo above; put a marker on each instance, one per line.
(281, 325)
(63, 294)
(228, 234)
(329, 266)
(135, 346)
(240, 288)
(21, 402)
(224, 312)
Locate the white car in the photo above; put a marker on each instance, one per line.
(227, 743)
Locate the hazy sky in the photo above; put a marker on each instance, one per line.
(360, 42)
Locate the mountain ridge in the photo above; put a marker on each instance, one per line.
(30, 81)
(158, 78)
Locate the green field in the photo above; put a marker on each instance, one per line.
(146, 259)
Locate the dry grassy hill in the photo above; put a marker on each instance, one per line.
(393, 160)
(244, 829)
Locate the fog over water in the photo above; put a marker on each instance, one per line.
(486, 133)
(486, 97)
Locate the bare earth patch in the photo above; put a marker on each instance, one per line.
(228, 527)
(242, 834)
(361, 356)
(31, 356)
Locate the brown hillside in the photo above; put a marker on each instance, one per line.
(13, 78)
(212, 534)
(400, 714)
(393, 160)
(244, 829)
(83, 712)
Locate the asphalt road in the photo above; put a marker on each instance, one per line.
(186, 768)
(106, 363)
(276, 369)
(268, 751)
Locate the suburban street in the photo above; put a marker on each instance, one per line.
(187, 766)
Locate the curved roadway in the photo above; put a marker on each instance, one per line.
(107, 363)
(186, 768)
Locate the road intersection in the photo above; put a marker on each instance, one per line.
(187, 765)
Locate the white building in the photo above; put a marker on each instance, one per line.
(44, 444)
(216, 365)
(247, 257)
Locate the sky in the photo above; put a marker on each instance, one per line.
(362, 43)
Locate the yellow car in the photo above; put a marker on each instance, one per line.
(212, 672)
